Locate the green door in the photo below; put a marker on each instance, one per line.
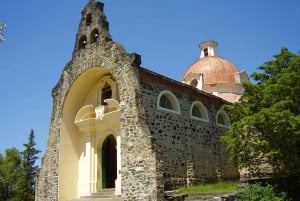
(109, 162)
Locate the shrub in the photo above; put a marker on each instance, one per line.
(257, 192)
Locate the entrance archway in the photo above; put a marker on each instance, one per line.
(109, 162)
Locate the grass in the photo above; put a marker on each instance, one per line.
(223, 186)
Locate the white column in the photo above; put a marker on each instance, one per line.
(84, 166)
(87, 166)
(118, 180)
(93, 165)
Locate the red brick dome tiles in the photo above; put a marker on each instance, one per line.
(215, 75)
(215, 70)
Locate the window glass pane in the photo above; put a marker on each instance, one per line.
(196, 112)
(165, 102)
(221, 119)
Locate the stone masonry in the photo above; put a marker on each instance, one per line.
(159, 150)
(124, 67)
(187, 151)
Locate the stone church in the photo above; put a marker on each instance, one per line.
(121, 128)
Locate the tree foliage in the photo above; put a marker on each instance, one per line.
(266, 122)
(27, 179)
(2, 26)
(10, 165)
(18, 172)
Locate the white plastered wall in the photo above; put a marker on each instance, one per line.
(77, 147)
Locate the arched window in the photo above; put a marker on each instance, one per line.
(165, 102)
(88, 19)
(106, 93)
(107, 89)
(223, 119)
(94, 36)
(194, 83)
(82, 42)
(199, 111)
(168, 101)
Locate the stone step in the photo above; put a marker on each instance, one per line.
(103, 195)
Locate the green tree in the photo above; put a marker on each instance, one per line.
(266, 122)
(2, 26)
(26, 183)
(10, 165)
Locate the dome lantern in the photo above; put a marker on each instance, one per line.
(208, 48)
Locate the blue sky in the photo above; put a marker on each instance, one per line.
(40, 37)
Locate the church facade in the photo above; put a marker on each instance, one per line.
(116, 125)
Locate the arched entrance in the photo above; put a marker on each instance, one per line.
(109, 162)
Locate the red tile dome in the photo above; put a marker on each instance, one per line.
(213, 74)
(214, 69)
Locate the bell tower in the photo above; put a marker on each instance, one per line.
(93, 28)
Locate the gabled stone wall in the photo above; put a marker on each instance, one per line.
(138, 162)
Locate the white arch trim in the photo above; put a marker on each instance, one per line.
(225, 117)
(202, 109)
(172, 98)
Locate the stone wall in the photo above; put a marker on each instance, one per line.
(188, 151)
(138, 165)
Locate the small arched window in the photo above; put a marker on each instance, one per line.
(199, 111)
(168, 101)
(88, 19)
(94, 36)
(82, 42)
(106, 93)
(194, 83)
(107, 89)
(165, 102)
(223, 119)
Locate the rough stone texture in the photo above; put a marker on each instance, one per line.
(159, 150)
(138, 162)
(187, 151)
